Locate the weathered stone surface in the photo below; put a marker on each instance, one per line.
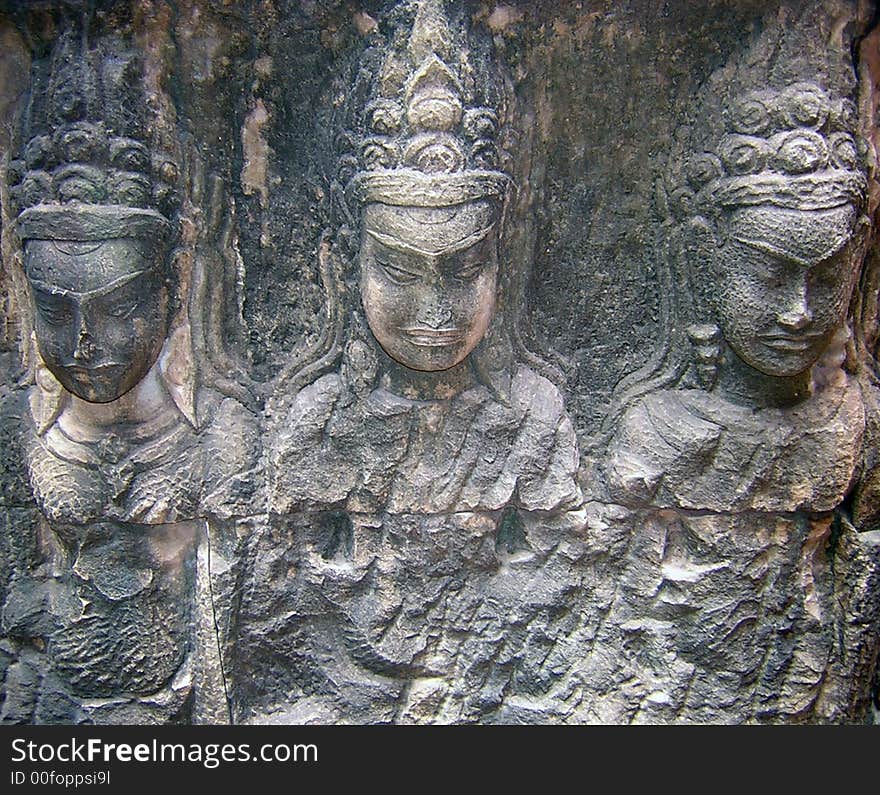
(439, 361)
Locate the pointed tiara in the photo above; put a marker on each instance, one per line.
(423, 144)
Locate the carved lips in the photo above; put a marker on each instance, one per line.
(433, 338)
(86, 373)
(790, 343)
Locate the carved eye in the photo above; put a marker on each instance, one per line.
(55, 311)
(468, 272)
(776, 274)
(396, 274)
(122, 307)
(827, 275)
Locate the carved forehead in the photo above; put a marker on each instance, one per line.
(83, 266)
(803, 236)
(431, 230)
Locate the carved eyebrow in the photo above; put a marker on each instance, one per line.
(767, 248)
(407, 248)
(397, 245)
(100, 291)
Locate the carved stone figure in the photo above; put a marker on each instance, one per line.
(739, 469)
(772, 234)
(406, 480)
(439, 361)
(122, 448)
(427, 200)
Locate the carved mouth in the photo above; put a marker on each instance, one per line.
(83, 371)
(789, 343)
(433, 338)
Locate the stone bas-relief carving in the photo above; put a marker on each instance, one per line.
(430, 410)
(403, 480)
(125, 454)
(775, 235)
(117, 416)
(747, 463)
(429, 544)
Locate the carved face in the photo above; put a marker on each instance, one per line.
(428, 280)
(783, 283)
(100, 312)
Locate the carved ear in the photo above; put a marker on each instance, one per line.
(49, 398)
(861, 235)
(493, 360)
(176, 364)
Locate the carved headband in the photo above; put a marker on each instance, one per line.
(411, 188)
(816, 191)
(90, 222)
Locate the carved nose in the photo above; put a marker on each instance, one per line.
(797, 317)
(435, 314)
(797, 314)
(85, 344)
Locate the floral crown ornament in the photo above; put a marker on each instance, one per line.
(83, 173)
(424, 142)
(794, 148)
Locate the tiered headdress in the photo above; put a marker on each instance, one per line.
(424, 141)
(795, 148)
(83, 172)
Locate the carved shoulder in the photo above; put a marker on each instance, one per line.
(297, 460)
(231, 450)
(658, 438)
(694, 450)
(547, 446)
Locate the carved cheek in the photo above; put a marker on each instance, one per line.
(373, 298)
(828, 302)
(844, 283)
(111, 335)
(388, 305)
(478, 302)
(55, 341)
(743, 313)
(147, 335)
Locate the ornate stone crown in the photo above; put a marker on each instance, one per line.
(795, 148)
(81, 174)
(422, 143)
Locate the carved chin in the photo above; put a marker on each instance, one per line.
(426, 355)
(102, 387)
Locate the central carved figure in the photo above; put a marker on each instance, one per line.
(430, 457)
(443, 412)
(431, 198)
